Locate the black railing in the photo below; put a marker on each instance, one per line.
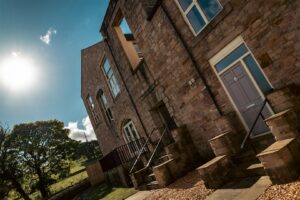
(166, 132)
(260, 114)
(142, 149)
(154, 153)
(123, 154)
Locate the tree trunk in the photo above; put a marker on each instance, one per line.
(42, 185)
(19, 189)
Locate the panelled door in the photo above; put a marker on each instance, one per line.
(246, 97)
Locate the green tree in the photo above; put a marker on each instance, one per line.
(12, 170)
(45, 148)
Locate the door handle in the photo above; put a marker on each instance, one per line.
(250, 106)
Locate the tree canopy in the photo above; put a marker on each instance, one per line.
(33, 156)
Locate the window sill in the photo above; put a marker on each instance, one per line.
(227, 8)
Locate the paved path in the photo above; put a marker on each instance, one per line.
(248, 189)
(141, 195)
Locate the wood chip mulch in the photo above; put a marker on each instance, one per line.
(290, 191)
(189, 187)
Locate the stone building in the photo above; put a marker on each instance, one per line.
(201, 79)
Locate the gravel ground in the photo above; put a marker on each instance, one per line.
(187, 187)
(290, 191)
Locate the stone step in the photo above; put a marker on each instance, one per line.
(252, 169)
(153, 185)
(150, 178)
(163, 159)
(160, 159)
(256, 169)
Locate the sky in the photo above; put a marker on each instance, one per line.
(49, 35)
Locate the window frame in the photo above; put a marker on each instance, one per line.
(107, 111)
(189, 8)
(108, 79)
(91, 106)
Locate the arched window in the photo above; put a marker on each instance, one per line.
(104, 104)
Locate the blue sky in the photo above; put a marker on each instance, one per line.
(72, 26)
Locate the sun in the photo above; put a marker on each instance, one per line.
(18, 73)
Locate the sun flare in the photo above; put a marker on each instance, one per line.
(18, 73)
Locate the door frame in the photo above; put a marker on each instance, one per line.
(221, 55)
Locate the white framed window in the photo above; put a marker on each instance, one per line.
(110, 77)
(91, 106)
(198, 13)
(131, 137)
(104, 103)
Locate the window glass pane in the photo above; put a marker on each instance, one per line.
(104, 100)
(114, 86)
(210, 7)
(233, 56)
(106, 66)
(124, 27)
(257, 74)
(184, 4)
(90, 100)
(109, 114)
(133, 131)
(195, 19)
(109, 73)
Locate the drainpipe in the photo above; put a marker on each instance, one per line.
(195, 64)
(125, 85)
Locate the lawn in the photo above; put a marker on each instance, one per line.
(105, 192)
(62, 184)
(68, 182)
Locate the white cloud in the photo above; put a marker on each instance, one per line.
(47, 38)
(78, 134)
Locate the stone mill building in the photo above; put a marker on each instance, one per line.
(209, 84)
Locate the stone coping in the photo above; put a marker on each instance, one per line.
(276, 146)
(215, 160)
(219, 136)
(278, 114)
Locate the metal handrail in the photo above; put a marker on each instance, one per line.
(254, 123)
(166, 127)
(156, 148)
(142, 149)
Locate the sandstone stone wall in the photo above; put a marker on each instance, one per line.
(269, 28)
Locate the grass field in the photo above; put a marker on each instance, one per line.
(105, 192)
(62, 184)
